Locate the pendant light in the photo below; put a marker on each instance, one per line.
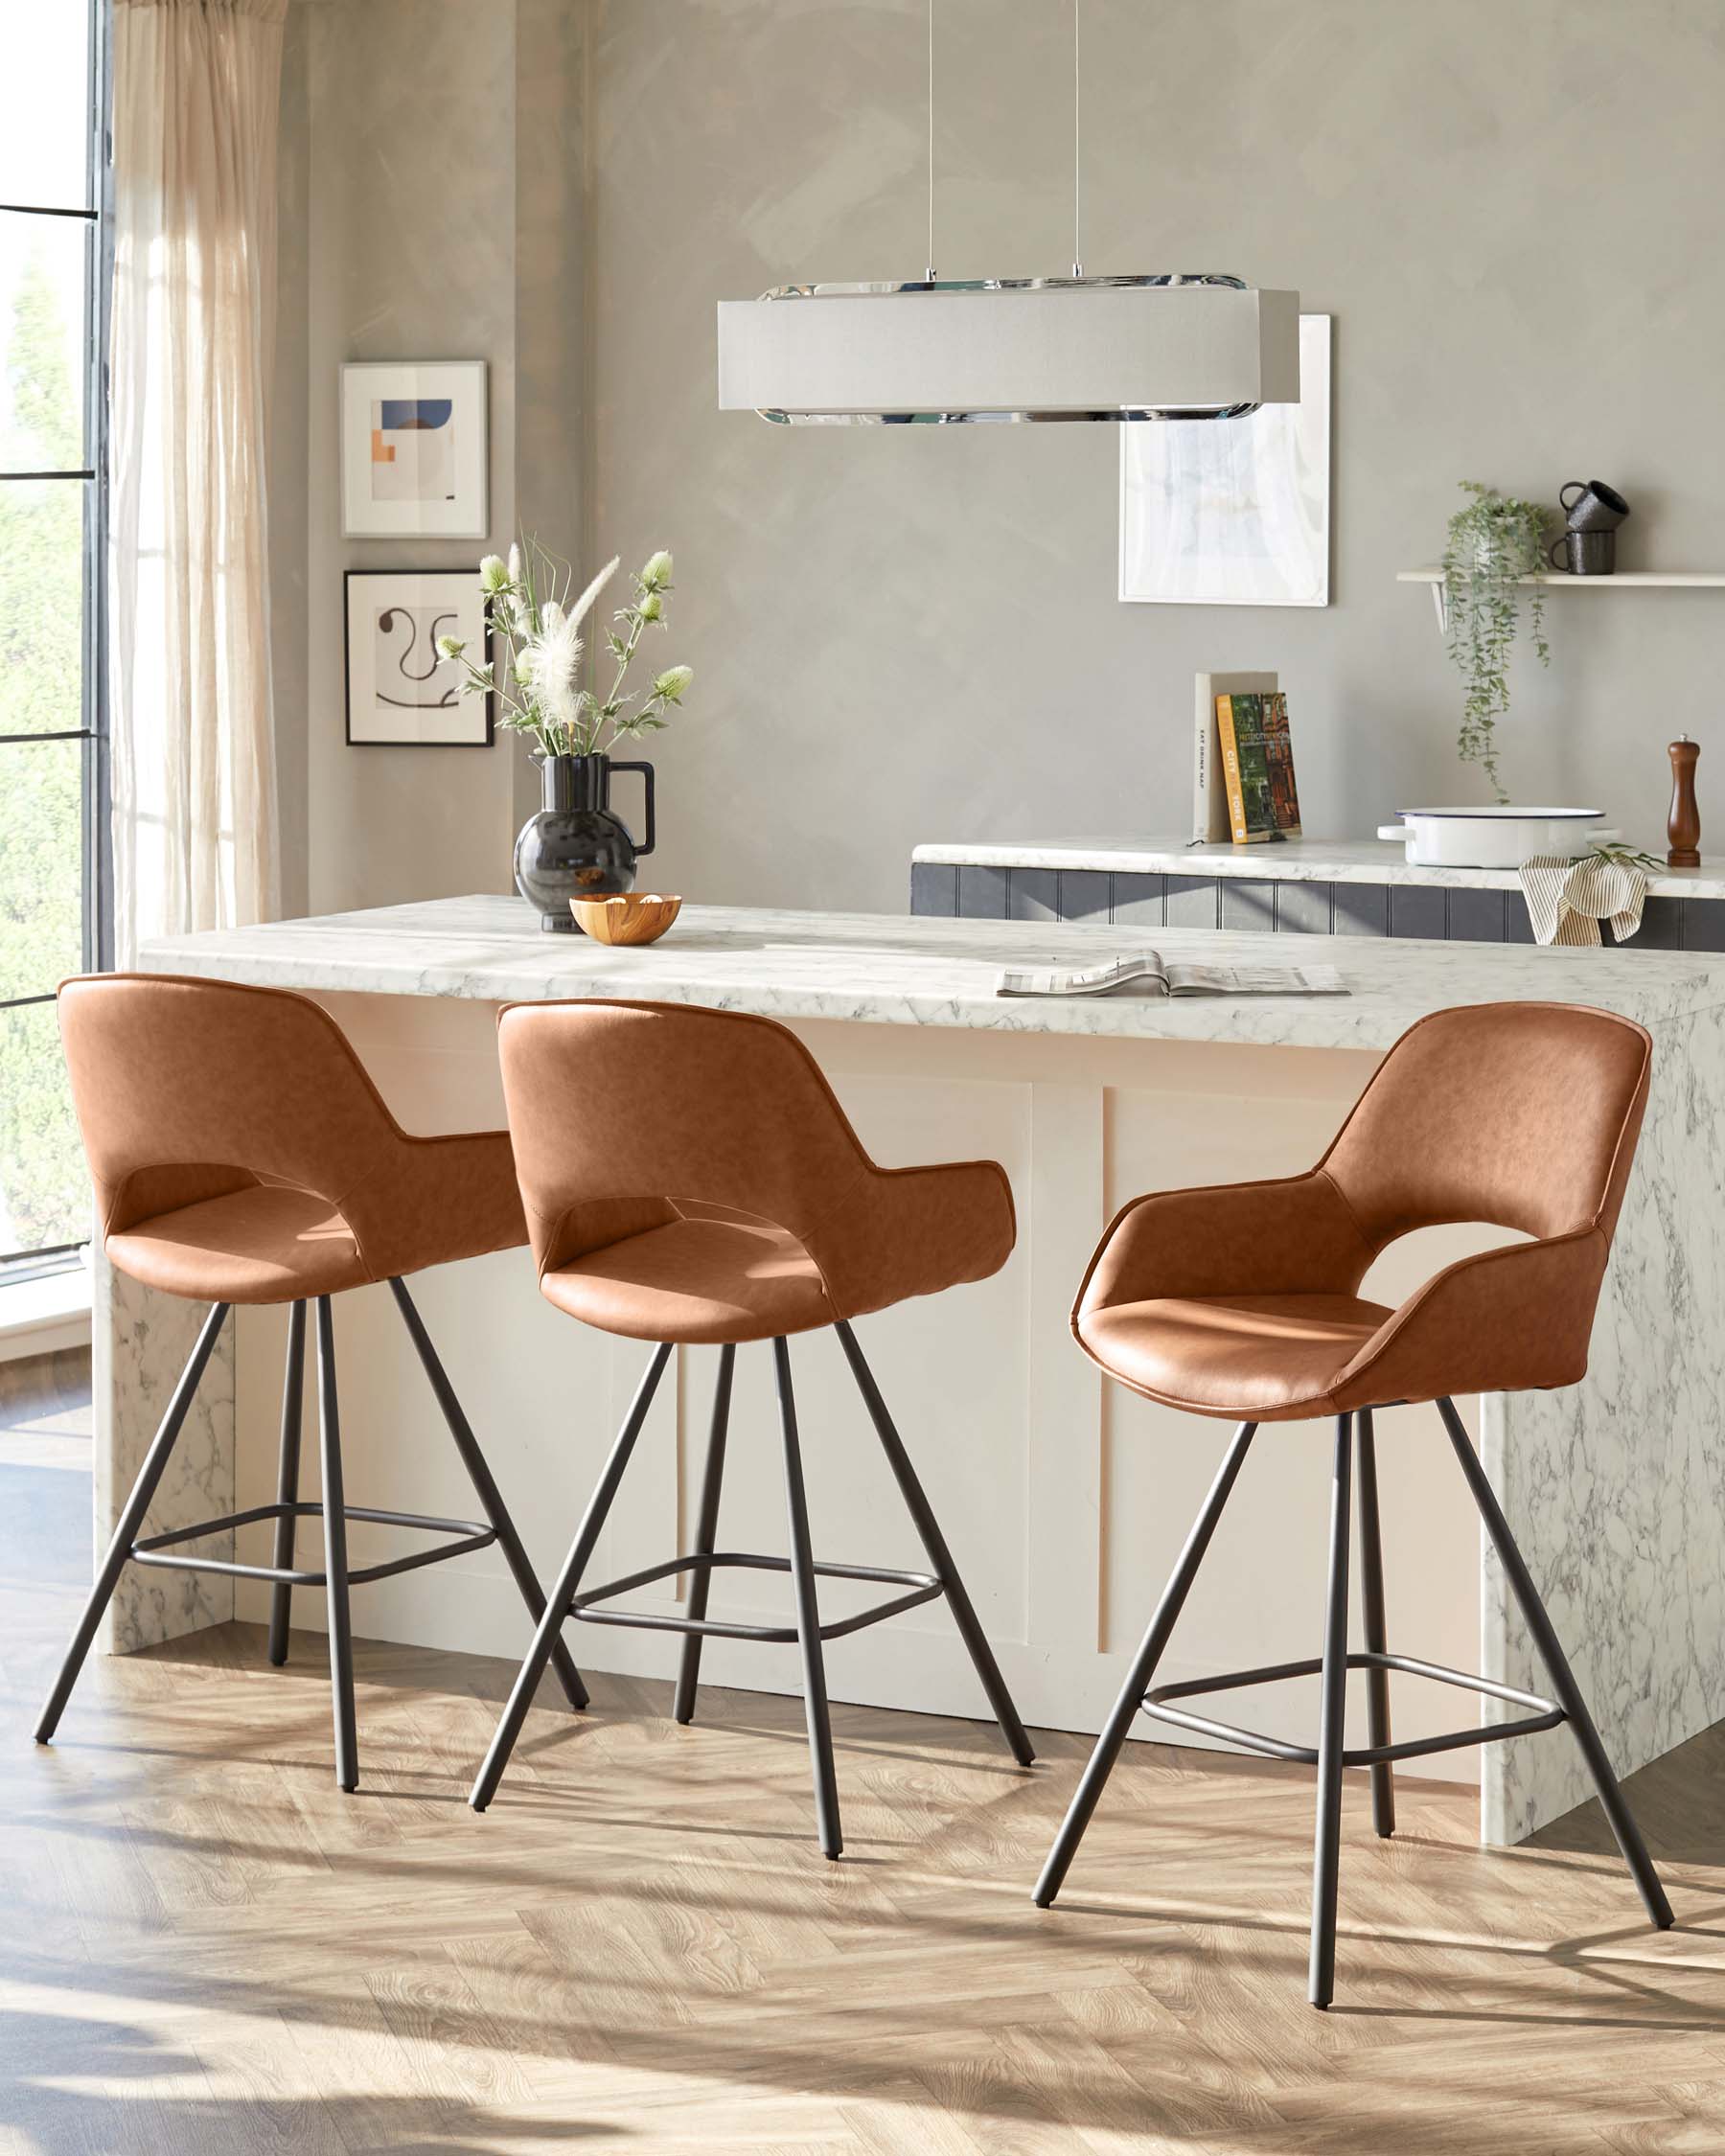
(1009, 349)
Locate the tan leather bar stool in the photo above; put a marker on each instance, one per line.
(241, 1155)
(1243, 1302)
(690, 1178)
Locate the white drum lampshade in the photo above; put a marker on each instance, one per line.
(1041, 349)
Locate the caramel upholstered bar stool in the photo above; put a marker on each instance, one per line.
(690, 1180)
(239, 1154)
(1243, 1303)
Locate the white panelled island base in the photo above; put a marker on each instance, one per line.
(1065, 1499)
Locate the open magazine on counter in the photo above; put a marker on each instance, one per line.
(1162, 976)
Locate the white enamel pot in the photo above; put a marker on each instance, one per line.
(1501, 837)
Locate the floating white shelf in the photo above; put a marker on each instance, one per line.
(1559, 580)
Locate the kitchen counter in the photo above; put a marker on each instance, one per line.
(1066, 1498)
(883, 970)
(1357, 887)
(1328, 861)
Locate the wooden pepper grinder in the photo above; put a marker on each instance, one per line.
(1683, 826)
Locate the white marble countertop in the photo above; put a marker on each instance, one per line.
(1299, 861)
(889, 970)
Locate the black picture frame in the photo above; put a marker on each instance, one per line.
(468, 580)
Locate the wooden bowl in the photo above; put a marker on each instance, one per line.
(631, 917)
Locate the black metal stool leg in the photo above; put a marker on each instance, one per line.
(1563, 1680)
(706, 1530)
(293, 1391)
(1326, 1859)
(130, 1521)
(1137, 1678)
(490, 1498)
(940, 1557)
(562, 1594)
(808, 1616)
(1375, 1626)
(336, 1564)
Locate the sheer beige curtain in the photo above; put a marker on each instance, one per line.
(195, 90)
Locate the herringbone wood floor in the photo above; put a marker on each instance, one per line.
(204, 1947)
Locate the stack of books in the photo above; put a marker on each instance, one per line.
(1243, 770)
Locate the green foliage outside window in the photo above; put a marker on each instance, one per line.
(44, 1197)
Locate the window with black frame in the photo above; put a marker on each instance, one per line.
(54, 272)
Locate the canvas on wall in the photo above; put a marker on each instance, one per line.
(414, 449)
(1233, 512)
(400, 687)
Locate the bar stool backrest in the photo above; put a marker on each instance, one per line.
(618, 1109)
(190, 1089)
(1523, 1115)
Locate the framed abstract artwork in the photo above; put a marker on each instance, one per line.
(413, 449)
(399, 688)
(1233, 512)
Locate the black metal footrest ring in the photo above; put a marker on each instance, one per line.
(923, 1586)
(161, 1550)
(1544, 1714)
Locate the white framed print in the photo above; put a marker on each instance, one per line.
(400, 687)
(1233, 512)
(414, 453)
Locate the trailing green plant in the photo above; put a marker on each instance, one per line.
(535, 672)
(1493, 541)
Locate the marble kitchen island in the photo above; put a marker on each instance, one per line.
(1065, 1499)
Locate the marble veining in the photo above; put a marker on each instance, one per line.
(142, 1339)
(891, 970)
(1297, 860)
(1616, 1487)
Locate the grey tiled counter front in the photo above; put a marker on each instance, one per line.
(1309, 888)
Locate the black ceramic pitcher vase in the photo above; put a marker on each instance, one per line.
(575, 847)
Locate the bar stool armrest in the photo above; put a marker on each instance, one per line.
(910, 1231)
(429, 1201)
(1293, 1236)
(1507, 1320)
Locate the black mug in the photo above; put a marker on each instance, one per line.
(1596, 508)
(1585, 554)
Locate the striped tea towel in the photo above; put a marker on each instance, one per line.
(1567, 900)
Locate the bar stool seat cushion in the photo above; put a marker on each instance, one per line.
(259, 1245)
(714, 1274)
(272, 1243)
(697, 1280)
(1253, 1357)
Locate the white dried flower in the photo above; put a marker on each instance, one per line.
(578, 610)
(556, 665)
